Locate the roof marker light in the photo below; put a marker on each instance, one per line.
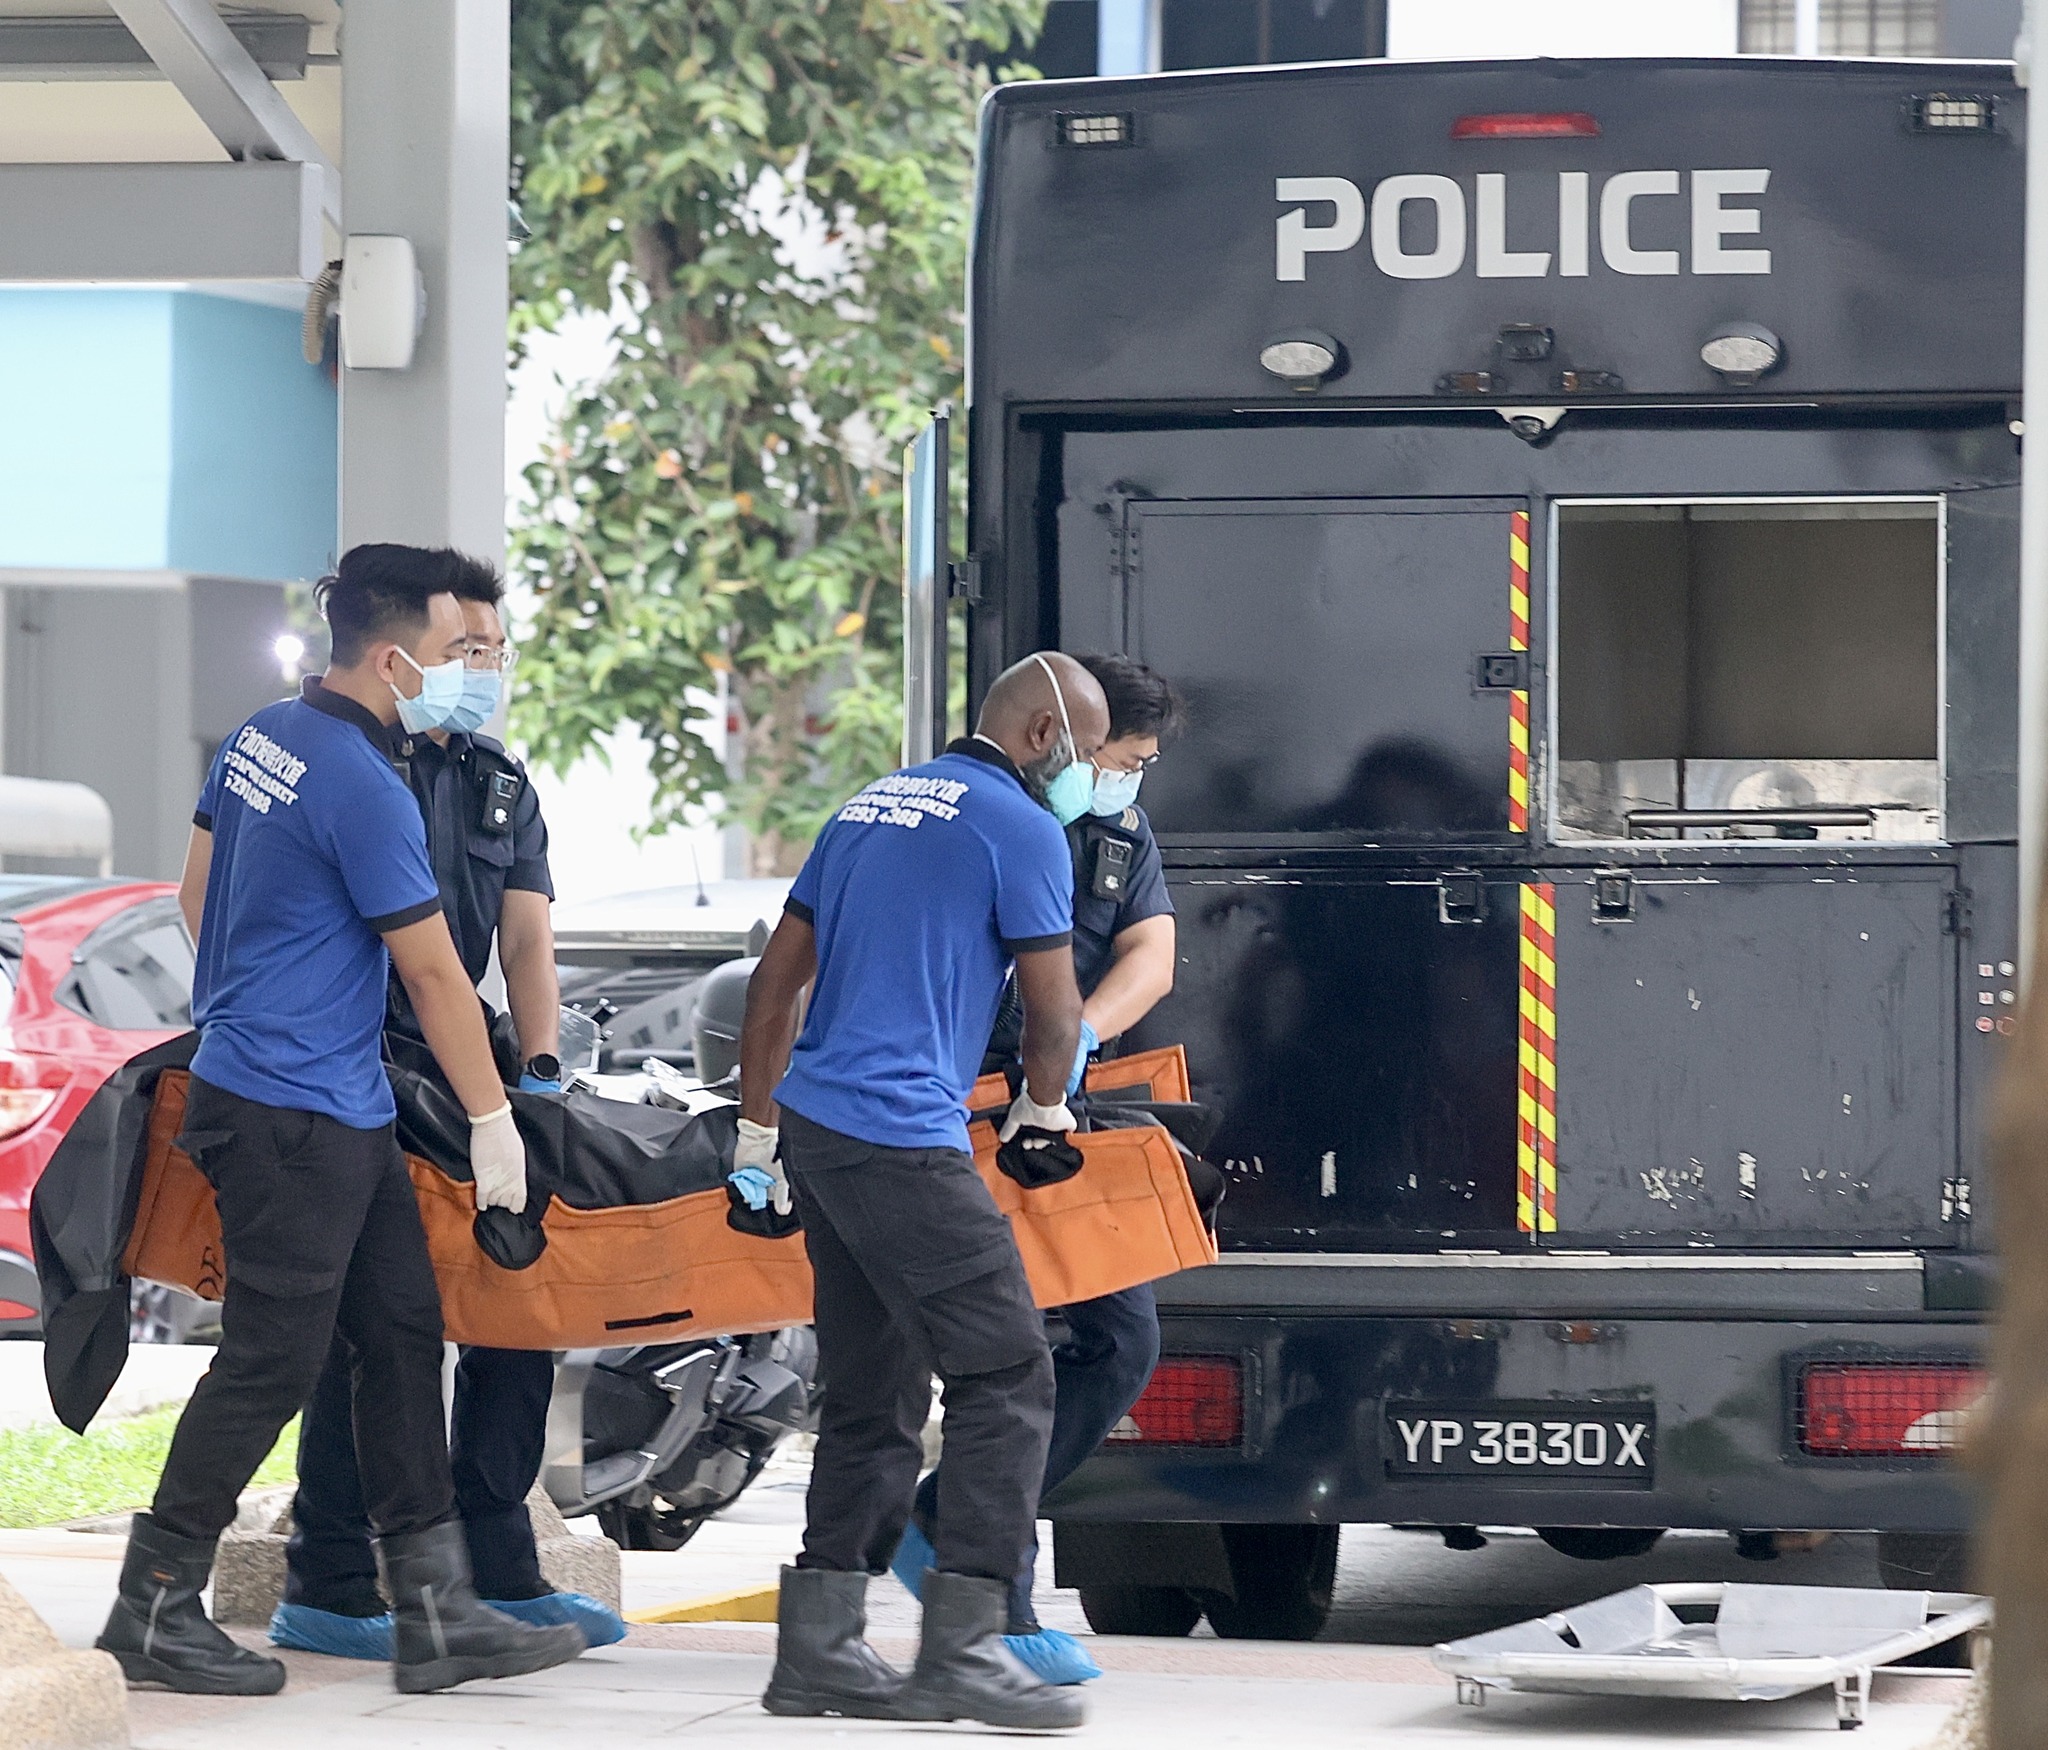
(1944, 112)
(1562, 125)
(1095, 130)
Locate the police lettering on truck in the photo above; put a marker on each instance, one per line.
(1714, 222)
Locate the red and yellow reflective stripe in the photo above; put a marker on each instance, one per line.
(1536, 1129)
(1518, 701)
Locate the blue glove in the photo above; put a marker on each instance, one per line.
(757, 1174)
(532, 1084)
(754, 1184)
(1088, 1044)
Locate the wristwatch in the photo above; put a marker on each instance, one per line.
(544, 1068)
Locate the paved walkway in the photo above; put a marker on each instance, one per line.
(1368, 1682)
(706, 1695)
(699, 1685)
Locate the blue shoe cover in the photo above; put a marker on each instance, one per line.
(307, 1630)
(600, 1624)
(914, 1559)
(1053, 1657)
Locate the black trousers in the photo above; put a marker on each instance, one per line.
(495, 1446)
(917, 1273)
(1099, 1371)
(322, 1235)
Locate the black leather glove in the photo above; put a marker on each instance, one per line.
(1037, 1158)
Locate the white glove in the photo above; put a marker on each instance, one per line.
(497, 1161)
(1025, 1112)
(755, 1169)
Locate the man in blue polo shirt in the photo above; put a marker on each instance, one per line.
(306, 882)
(906, 918)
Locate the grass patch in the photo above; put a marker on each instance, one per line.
(49, 1475)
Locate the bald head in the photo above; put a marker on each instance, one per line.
(1021, 714)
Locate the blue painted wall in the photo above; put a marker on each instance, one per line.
(145, 430)
(85, 419)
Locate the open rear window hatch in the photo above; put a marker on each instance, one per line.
(1748, 669)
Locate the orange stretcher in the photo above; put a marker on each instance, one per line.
(659, 1272)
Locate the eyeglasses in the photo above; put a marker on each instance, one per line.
(481, 656)
(1144, 765)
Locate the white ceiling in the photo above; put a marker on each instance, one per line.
(136, 122)
(321, 13)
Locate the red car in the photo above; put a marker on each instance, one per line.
(96, 971)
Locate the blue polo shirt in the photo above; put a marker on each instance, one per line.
(318, 849)
(921, 890)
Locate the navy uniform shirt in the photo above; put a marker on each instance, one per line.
(921, 890)
(318, 852)
(475, 865)
(1098, 920)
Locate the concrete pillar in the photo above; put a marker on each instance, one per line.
(1126, 37)
(426, 90)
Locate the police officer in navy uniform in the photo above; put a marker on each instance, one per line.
(489, 848)
(1124, 962)
(306, 883)
(919, 898)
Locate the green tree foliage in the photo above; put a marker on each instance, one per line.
(774, 195)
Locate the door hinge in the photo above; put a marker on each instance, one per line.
(1955, 919)
(963, 581)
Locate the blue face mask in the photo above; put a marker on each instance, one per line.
(1071, 789)
(1070, 792)
(481, 689)
(440, 693)
(1114, 792)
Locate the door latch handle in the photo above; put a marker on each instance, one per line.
(1505, 671)
(1460, 899)
(1614, 896)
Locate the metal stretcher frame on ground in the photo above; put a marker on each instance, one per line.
(664, 1271)
(1765, 1643)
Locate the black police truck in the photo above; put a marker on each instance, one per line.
(1580, 503)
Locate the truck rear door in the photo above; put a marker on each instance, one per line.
(1331, 650)
(1760, 1054)
(1350, 666)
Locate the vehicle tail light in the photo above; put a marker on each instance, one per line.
(13, 1309)
(1193, 1400)
(1562, 125)
(28, 1088)
(1892, 1409)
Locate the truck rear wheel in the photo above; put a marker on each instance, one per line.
(1599, 1543)
(1162, 1611)
(1285, 1577)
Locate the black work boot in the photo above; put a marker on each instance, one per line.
(441, 1634)
(964, 1672)
(823, 1663)
(159, 1632)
